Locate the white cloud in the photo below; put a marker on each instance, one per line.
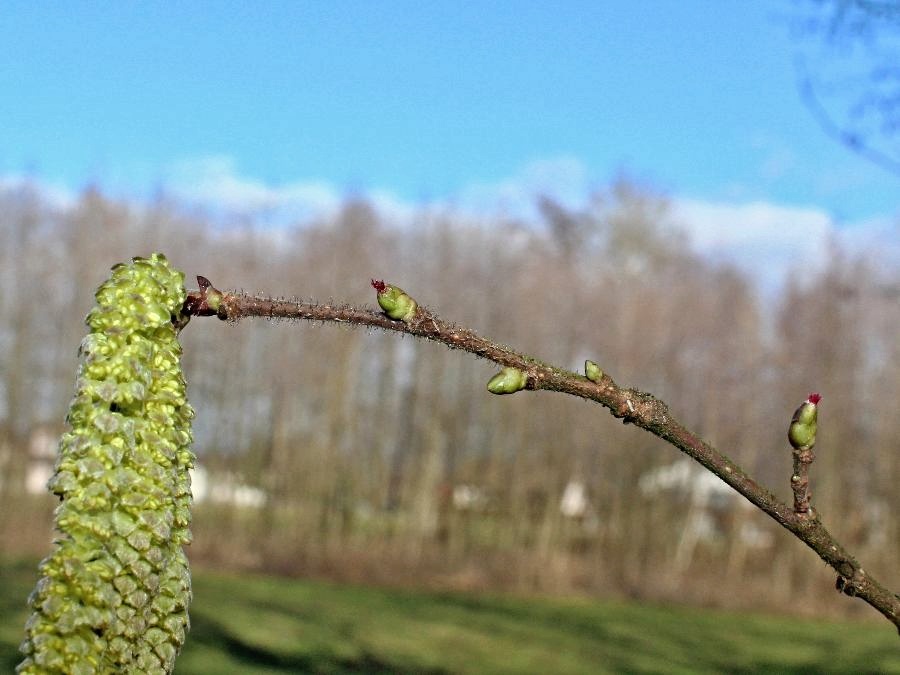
(878, 237)
(768, 240)
(58, 196)
(565, 178)
(214, 182)
(719, 227)
(763, 239)
(392, 208)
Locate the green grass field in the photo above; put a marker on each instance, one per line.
(246, 624)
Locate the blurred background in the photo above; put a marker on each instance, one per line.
(693, 201)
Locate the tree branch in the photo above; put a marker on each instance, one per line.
(631, 405)
(854, 141)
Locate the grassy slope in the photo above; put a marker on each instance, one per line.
(264, 625)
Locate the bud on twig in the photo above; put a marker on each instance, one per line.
(395, 302)
(206, 301)
(593, 371)
(802, 432)
(507, 381)
(802, 436)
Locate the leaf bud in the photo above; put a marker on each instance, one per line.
(592, 371)
(395, 302)
(802, 432)
(507, 381)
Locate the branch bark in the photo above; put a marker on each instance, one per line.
(632, 406)
(800, 481)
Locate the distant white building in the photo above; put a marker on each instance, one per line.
(468, 497)
(42, 449)
(685, 477)
(224, 488)
(221, 488)
(574, 502)
(710, 498)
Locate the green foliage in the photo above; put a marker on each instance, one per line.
(114, 594)
(255, 625)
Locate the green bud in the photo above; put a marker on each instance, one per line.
(802, 432)
(592, 371)
(507, 381)
(114, 592)
(395, 302)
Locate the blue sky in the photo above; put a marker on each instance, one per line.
(424, 101)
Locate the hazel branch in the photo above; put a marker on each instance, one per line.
(802, 437)
(800, 482)
(630, 405)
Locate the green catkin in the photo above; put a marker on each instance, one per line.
(113, 595)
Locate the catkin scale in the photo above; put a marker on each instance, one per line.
(113, 595)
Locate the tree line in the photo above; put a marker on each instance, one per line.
(378, 459)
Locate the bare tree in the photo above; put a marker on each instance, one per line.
(306, 417)
(849, 75)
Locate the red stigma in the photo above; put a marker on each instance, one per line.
(378, 285)
(814, 398)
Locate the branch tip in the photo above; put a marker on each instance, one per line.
(204, 302)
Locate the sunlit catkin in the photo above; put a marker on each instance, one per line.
(113, 595)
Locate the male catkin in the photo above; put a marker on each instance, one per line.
(113, 595)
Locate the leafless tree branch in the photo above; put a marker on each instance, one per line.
(856, 142)
(631, 405)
